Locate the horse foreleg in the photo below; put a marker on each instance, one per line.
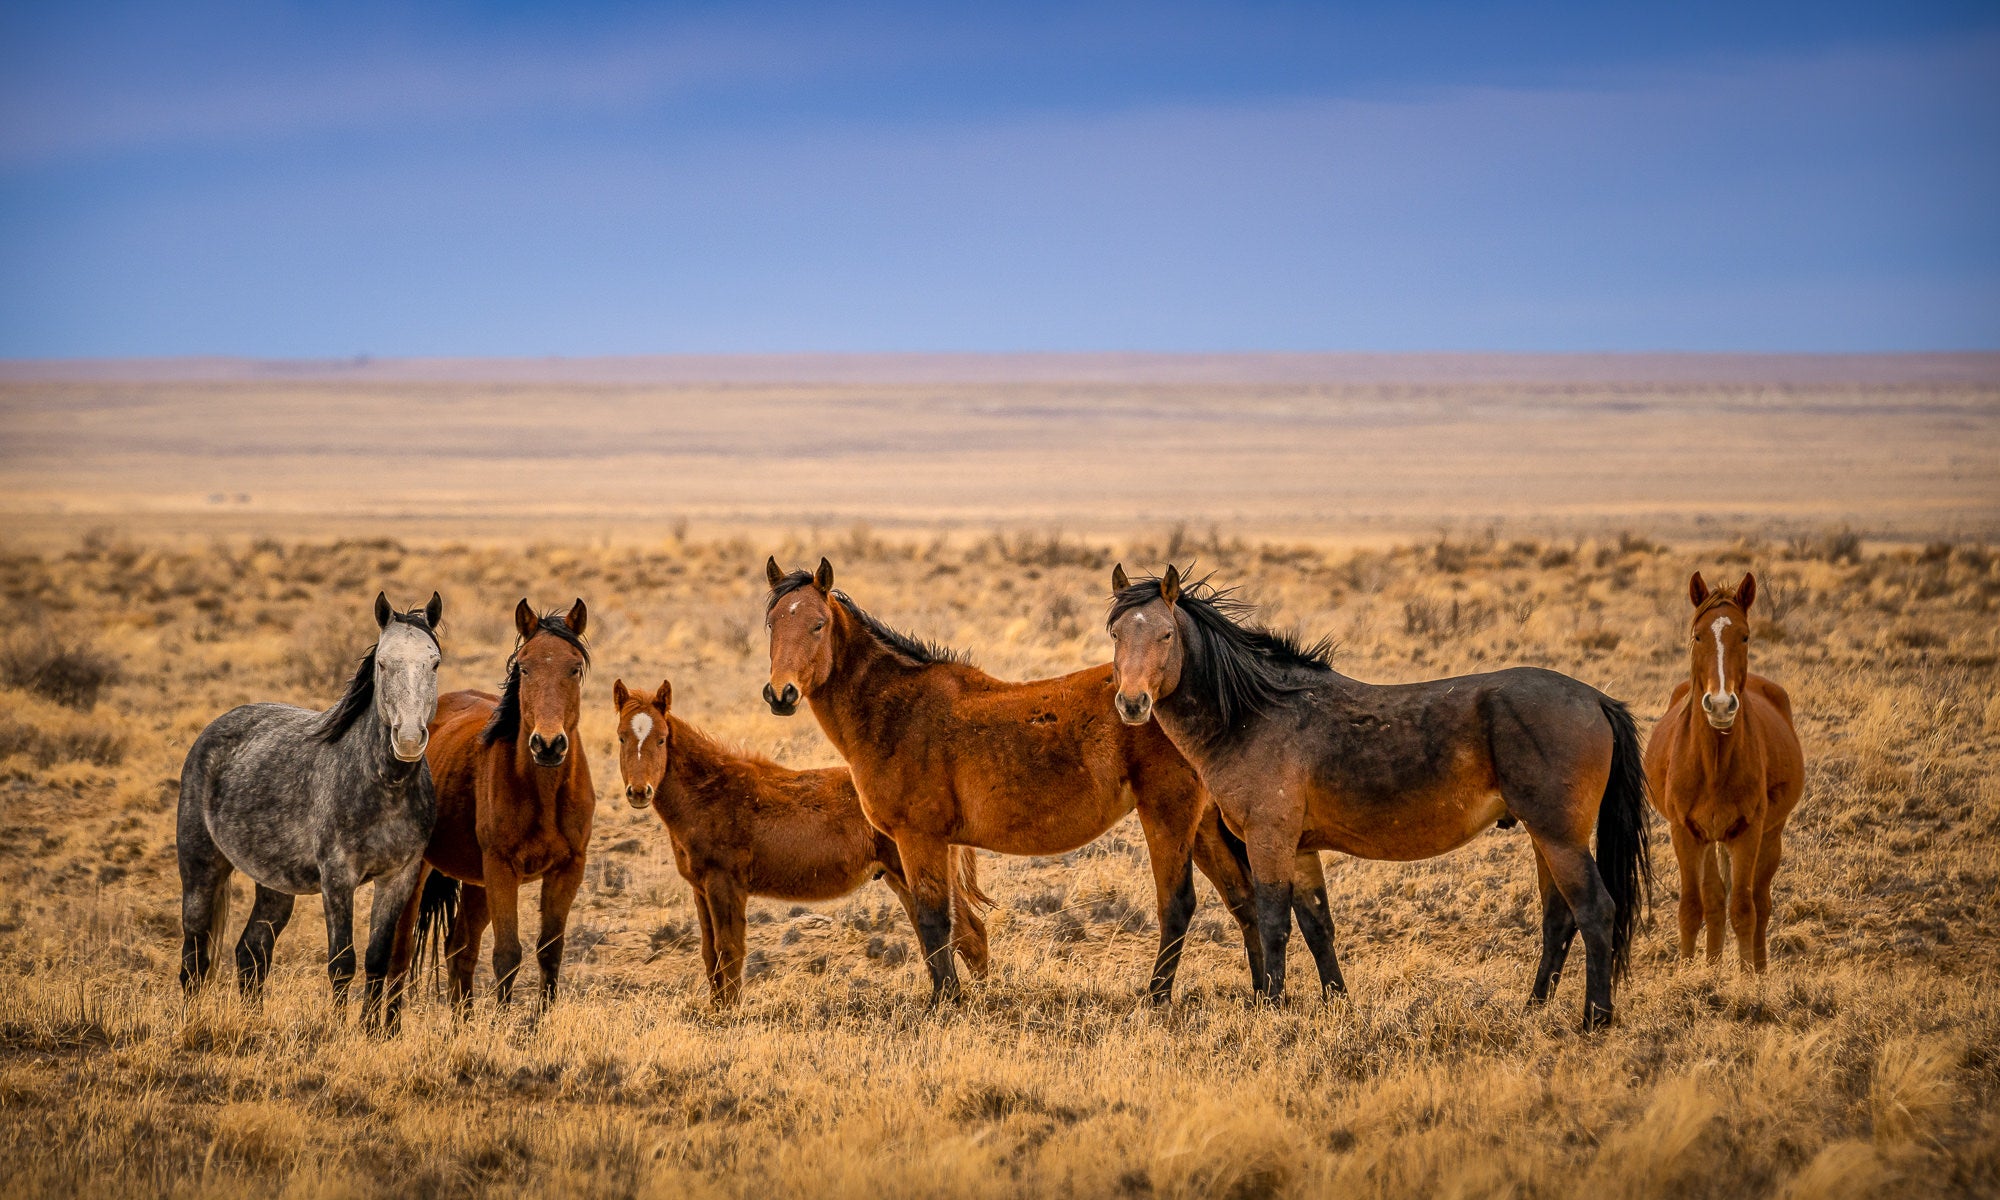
(1768, 857)
(1558, 931)
(1170, 833)
(337, 886)
(1222, 857)
(468, 930)
(1714, 898)
(1274, 852)
(390, 911)
(1315, 917)
(926, 868)
(1692, 857)
(726, 904)
(268, 917)
(1743, 854)
(558, 893)
(503, 902)
(707, 944)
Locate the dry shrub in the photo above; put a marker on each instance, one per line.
(1840, 1171)
(325, 649)
(1660, 1147)
(1245, 1151)
(72, 674)
(1914, 1085)
(55, 738)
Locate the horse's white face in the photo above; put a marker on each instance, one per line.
(406, 687)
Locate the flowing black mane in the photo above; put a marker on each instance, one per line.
(505, 723)
(359, 697)
(1243, 667)
(915, 649)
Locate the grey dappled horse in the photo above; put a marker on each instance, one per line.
(304, 802)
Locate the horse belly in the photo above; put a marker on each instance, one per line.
(1054, 820)
(1405, 829)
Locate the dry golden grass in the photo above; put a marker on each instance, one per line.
(1866, 1063)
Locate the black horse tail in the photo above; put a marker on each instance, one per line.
(1623, 859)
(435, 913)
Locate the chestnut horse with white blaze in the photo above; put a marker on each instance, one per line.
(744, 826)
(1300, 757)
(1726, 771)
(945, 755)
(515, 804)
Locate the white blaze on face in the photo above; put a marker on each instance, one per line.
(642, 727)
(1721, 680)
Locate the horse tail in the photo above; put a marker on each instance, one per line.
(435, 913)
(1623, 858)
(965, 881)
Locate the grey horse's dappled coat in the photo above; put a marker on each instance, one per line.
(304, 801)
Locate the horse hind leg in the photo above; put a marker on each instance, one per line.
(1315, 918)
(968, 928)
(268, 917)
(204, 899)
(1558, 932)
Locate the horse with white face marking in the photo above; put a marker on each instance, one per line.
(1726, 770)
(304, 802)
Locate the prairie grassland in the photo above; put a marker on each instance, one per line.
(1866, 1063)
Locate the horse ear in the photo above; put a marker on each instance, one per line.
(619, 694)
(434, 611)
(1746, 591)
(1170, 585)
(1697, 590)
(665, 696)
(382, 610)
(772, 574)
(823, 578)
(577, 617)
(524, 620)
(1118, 581)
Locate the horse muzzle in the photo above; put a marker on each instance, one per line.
(638, 797)
(1134, 710)
(1721, 710)
(407, 750)
(784, 703)
(548, 752)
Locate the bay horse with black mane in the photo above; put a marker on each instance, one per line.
(515, 804)
(744, 826)
(1726, 773)
(1300, 757)
(945, 755)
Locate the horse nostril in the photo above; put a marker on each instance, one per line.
(770, 694)
(791, 694)
(561, 743)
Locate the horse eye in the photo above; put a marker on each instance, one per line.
(821, 625)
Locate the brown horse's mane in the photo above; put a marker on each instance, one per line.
(505, 723)
(1242, 668)
(915, 650)
(359, 697)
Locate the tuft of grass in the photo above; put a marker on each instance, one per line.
(72, 674)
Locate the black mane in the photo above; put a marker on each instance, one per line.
(915, 649)
(1243, 667)
(359, 697)
(505, 723)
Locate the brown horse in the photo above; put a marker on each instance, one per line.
(514, 802)
(944, 754)
(744, 826)
(1725, 773)
(1300, 757)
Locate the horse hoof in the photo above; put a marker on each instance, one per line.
(1595, 1018)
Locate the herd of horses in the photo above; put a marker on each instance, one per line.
(1244, 753)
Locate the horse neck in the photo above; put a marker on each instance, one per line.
(1192, 720)
(861, 667)
(1718, 752)
(698, 769)
(547, 785)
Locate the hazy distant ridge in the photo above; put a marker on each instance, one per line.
(1974, 368)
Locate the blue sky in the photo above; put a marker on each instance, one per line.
(528, 179)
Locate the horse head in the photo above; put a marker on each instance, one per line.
(1719, 647)
(644, 739)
